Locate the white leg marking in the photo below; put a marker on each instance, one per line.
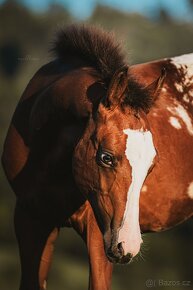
(190, 190)
(175, 122)
(140, 153)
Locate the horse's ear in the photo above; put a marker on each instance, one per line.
(155, 87)
(117, 87)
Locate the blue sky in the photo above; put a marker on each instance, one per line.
(83, 8)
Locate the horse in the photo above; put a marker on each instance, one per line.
(100, 146)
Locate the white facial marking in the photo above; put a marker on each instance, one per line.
(175, 123)
(181, 113)
(190, 190)
(140, 153)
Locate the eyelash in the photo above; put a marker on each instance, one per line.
(109, 157)
(101, 158)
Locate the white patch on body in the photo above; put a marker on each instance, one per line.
(175, 123)
(184, 63)
(179, 87)
(190, 190)
(164, 90)
(140, 152)
(144, 188)
(190, 93)
(185, 59)
(186, 98)
(181, 113)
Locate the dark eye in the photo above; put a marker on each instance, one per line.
(105, 158)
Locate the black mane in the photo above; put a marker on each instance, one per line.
(99, 49)
(93, 45)
(137, 96)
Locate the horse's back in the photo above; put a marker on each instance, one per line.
(16, 147)
(170, 185)
(46, 124)
(170, 121)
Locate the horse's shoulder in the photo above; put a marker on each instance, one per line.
(178, 84)
(178, 70)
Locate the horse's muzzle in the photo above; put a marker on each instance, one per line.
(115, 254)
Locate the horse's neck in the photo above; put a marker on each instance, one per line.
(184, 63)
(184, 80)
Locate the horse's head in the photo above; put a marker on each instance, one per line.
(112, 160)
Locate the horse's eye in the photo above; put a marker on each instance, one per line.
(107, 159)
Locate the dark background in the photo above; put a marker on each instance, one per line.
(25, 38)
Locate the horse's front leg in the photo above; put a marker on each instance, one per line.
(36, 242)
(100, 269)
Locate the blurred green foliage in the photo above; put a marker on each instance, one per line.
(24, 41)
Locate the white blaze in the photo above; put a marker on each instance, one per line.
(190, 190)
(140, 153)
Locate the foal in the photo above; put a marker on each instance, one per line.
(91, 142)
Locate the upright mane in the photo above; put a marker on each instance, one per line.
(94, 46)
(100, 50)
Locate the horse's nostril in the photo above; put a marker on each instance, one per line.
(116, 255)
(120, 249)
(126, 259)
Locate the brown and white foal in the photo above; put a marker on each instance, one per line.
(101, 147)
